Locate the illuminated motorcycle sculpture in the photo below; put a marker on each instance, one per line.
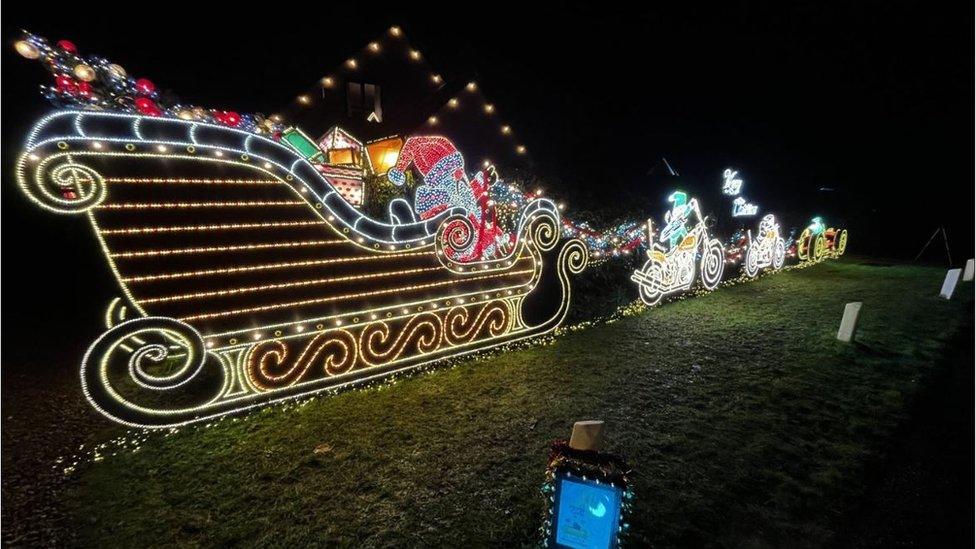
(767, 249)
(818, 242)
(693, 253)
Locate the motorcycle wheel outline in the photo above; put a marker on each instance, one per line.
(651, 296)
(751, 264)
(779, 254)
(819, 248)
(803, 245)
(714, 250)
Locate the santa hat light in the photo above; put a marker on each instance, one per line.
(432, 156)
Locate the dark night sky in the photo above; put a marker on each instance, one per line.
(873, 99)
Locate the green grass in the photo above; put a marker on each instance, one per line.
(746, 421)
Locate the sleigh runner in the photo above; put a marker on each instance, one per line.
(246, 278)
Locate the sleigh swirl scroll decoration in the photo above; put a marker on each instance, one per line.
(131, 370)
(63, 185)
(270, 364)
(455, 237)
(538, 226)
(461, 326)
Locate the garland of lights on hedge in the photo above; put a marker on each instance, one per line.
(621, 240)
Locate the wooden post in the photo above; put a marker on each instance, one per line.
(587, 435)
(848, 324)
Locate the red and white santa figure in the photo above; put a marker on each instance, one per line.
(447, 186)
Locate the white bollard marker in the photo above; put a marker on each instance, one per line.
(951, 281)
(587, 435)
(848, 324)
(967, 273)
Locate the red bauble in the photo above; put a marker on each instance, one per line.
(68, 46)
(147, 106)
(228, 118)
(66, 84)
(84, 89)
(145, 86)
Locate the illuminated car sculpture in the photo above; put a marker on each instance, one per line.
(246, 278)
(818, 242)
(766, 249)
(692, 254)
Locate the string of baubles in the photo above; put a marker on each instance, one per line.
(93, 82)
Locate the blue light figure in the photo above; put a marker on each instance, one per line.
(676, 220)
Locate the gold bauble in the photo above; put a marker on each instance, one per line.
(116, 70)
(84, 72)
(27, 49)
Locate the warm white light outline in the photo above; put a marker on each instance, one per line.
(767, 251)
(662, 264)
(572, 257)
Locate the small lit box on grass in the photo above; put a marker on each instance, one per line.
(588, 498)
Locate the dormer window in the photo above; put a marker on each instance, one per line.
(364, 100)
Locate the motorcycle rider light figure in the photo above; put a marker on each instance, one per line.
(768, 228)
(676, 219)
(816, 226)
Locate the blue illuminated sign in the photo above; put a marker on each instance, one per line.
(586, 513)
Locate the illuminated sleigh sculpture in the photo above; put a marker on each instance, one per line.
(817, 242)
(675, 270)
(768, 249)
(247, 279)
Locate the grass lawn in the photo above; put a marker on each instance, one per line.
(746, 421)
